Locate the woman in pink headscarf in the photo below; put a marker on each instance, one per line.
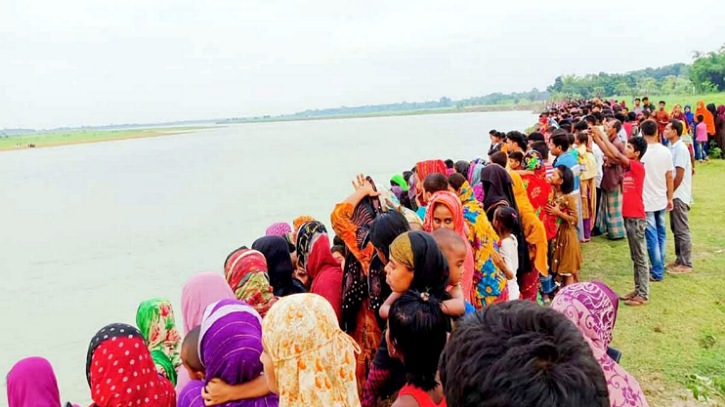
(592, 307)
(31, 383)
(198, 292)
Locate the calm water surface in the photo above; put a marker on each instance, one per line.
(89, 231)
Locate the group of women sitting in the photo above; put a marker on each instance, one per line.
(293, 321)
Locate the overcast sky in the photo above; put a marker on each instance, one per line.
(92, 62)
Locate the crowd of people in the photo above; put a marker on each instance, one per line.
(458, 284)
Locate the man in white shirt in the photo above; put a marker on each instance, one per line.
(682, 197)
(657, 194)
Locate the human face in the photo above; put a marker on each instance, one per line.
(456, 257)
(339, 257)
(514, 164)
(637, 103)
(629, 151)
(269, 373)
(398, 277)
(443, 218)
(392, 351)
(556, 179)
(670, 132)
(662, 107)
(554, 149)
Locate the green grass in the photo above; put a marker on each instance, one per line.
(58, 138)
(681, 332)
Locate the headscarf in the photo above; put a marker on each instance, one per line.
(538, 190)
(246, 273)
(281, 229)
(496, 188)
(399, 180)
(31, 383)
(709, 118)
(155, 320)
(592, 307)
(314, 361)
(306, 236)
(426, 168)
(279, 265)
(230, 344)
(474, 178)
(419, 252)
(200, 291)
(121, 372)
(301, 220)
(462, 167)
(689, 115)
(485, 282)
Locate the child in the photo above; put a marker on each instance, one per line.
(455, 249)
(515, 159)
(565, 253)
(701, 139)
(506, 223)
(635, 218)
(190, 355)
(588, 176)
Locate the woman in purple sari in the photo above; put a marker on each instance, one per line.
(230, 343)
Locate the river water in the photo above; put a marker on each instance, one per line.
(89, 231)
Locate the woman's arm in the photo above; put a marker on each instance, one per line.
(345, 228)
(218, 392)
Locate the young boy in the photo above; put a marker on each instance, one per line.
(190, 355)
(515, 159)
(635, 219)
(454, 249)
(496, 141)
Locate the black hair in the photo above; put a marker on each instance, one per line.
(648, 128)
(621, 117)
(406, 175)
(337, 241)
(449, 163)
(560, 139)
(516, 156)
(542, 148)
(632, 116)
(499, 157)
(637, 99)
(700, 118)
(520, 354)
(386, 227)
(582, 137)
(639, 144)
(581, 125)
(598, 116)
(501, 135)
(567, 178)
(191, 342)
(590, 119)
(456, 181)
(435, 183)
(509, 219)
(645, 98)
(518, 138)
(534, 137)
(617, 125)
(662, 102)
(492, 132)
(677, 125)
(417, 328)
(338, 249)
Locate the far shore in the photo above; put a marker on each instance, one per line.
(65, 138)
(71, 137)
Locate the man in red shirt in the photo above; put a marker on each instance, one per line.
(662, 117)
(635, 219)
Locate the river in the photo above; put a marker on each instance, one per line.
(89, 231)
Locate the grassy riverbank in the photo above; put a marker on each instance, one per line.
(61, 138)
(507, 107)
(681, 332)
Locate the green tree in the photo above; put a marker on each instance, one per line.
(708, 71)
